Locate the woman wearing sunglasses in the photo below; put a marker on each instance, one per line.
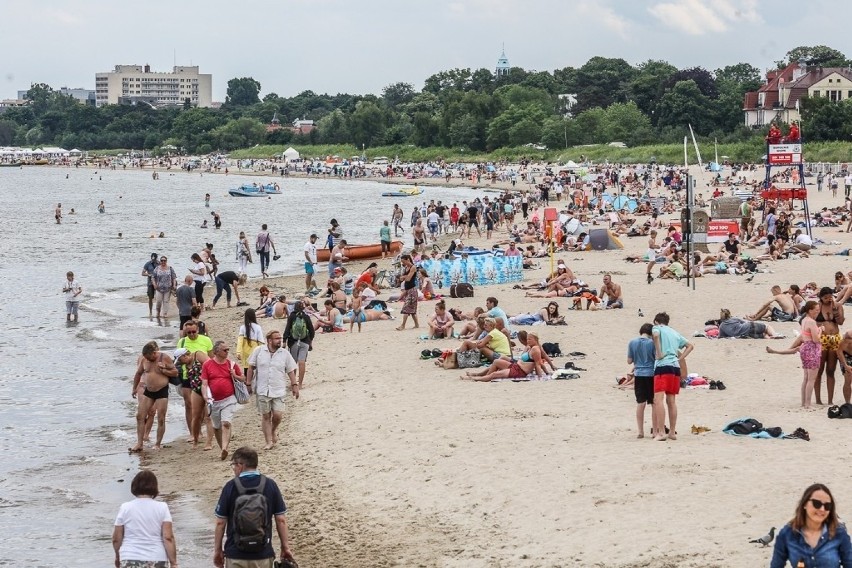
(814, 537)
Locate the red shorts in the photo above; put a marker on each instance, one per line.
(516, 372)
(667, 380)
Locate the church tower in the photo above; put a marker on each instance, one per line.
(502, 64)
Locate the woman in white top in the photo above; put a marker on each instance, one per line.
(143, 528)
(200, 277)
(249, 337)
(243, 252)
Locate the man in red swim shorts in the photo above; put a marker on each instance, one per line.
(671, 349)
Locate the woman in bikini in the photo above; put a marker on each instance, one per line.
(441, 323)
(338, 297)
(830, 318)
(530, 361)
(192, 363)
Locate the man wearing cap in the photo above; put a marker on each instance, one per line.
(269, 369)
(311, 263)
(148, 271)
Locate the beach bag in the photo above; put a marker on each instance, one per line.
(552, 349)
(251, 517)
(241, 392)
(299, 330)
(843, 411)
(461, 290)
(467, 359)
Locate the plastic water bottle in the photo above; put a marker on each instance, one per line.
(641, 315)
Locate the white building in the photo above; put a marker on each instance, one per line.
(503, 67)
(84, 96)
(137, 83)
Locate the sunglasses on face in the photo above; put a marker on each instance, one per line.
(817, 504)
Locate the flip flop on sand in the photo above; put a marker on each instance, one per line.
(571, 365)
(577, 355)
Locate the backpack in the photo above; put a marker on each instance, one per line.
(299, 330)
(745, 427)
(251, 519)
(551, 349)
(461, 290)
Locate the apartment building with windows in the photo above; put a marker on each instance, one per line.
(133, 84)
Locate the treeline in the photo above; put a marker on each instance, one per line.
(604, 100)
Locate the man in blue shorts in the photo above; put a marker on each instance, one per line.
(641, 354)
(311, 263)
(671, 350)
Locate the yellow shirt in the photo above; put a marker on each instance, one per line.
(499, 343)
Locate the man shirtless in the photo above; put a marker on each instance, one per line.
(612, 291)
(786, 310)
(419, 236)
(154, 369)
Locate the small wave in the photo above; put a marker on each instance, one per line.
(102, 311)
(92, 335)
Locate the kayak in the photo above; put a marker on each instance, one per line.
(361, 252)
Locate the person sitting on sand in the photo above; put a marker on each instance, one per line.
(674, 269)
(529, 362)
(493, 342)
(338, 296)
(427, 291)
(612, 291)
(441, 322)
(473, 329)
(330, 320)
(786, 310)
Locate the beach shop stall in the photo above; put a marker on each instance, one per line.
(478, 270)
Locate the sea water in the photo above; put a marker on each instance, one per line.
(66, 415)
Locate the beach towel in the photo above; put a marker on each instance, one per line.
(754, 429)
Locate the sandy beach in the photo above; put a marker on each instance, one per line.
(387, 460)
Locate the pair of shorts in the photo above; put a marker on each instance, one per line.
(309, 267)
(150, 291)
(643, 388)
(516, 372)
(223, 411)
(614, 304)
(667, 379)
(810, 353)
(386, 246)
(157, 394)
(299, 351)
(267, 404)
(183, 320)
(830, 342)
(433, 227)
(71, 308)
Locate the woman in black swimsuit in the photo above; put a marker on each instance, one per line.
(192, 363)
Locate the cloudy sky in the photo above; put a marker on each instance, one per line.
(358, 47)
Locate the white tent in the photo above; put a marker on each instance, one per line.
(290, 154)
(571, 164)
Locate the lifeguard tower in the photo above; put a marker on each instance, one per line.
(781, 152)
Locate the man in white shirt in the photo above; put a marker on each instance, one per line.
(310, 263)
(847, 182)
(269, 368)
(72, 290)
(803, 241)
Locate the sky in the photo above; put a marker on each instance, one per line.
(359, 47)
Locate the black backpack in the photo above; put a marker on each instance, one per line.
(745, 427)
(251, 519)
(461, 290)
(552, 349)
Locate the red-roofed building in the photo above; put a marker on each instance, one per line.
(778, 99)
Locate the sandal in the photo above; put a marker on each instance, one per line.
(714, 385)
(720, 385)
(571, 365)
(577, 355)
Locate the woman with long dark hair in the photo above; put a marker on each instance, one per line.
(409, 291)
(814, 537)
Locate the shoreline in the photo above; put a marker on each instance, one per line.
(387, 460)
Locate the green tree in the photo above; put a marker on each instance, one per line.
(590, 124)
(7, 132)
(821, 55)
(397, 94)
(467, 132)
(624, 122)
(242, 92)
(823, 119)
(602, 81)
(367, 124)
(40, 95)
(685, 104)
(558, 132)
(239, 133)
(426, 129)
(647, 86)
(516, 126)
(332, 128)
(520, 95)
